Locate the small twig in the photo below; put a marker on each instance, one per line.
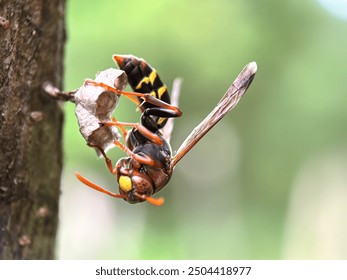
(57, 93)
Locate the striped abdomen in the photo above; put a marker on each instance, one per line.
(143, 79)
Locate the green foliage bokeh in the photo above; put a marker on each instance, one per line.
(253, 188)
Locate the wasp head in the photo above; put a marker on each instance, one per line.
(135, 185)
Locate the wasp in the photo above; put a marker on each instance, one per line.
(149, 164)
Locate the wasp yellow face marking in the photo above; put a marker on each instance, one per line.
(125, 183)
(161, 91)
(152, 76)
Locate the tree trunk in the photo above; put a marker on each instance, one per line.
(31, 52)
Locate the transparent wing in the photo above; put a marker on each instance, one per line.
(228, 102)
(167, 129)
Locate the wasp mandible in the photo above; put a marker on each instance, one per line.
(150, 164)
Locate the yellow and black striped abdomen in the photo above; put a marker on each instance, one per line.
(143, 79)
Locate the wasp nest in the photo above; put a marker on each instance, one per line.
(94, 105)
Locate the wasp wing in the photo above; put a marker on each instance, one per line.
(167, 129)
(228, 102)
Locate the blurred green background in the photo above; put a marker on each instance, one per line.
(269, 181)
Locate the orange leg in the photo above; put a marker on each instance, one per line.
(98, 188)
(161, 104)
(127, 94)
(143, 130)
(120, 125)
(107, 159)
(145, 96)
(141, 159)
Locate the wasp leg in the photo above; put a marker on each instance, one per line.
(96, 187)
(162, 108)
(166, 109)
(143, 159)
(120, 125)
(143, 130)
(127, 94)
(161, 111)
(107, 159)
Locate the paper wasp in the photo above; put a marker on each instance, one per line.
(149, 165)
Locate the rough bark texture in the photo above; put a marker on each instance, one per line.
(31, 52)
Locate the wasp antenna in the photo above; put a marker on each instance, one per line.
(154, 201)
(96, 187)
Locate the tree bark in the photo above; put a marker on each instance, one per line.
(32, 38)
